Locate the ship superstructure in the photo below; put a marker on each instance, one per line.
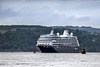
(66, 43)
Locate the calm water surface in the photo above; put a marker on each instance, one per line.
(29, 59)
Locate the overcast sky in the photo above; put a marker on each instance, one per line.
(50, 12)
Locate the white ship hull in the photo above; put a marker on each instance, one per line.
(58, 43)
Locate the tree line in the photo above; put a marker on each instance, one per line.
(24, 37)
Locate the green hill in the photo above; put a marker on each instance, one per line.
(24, 37)
(84, 28)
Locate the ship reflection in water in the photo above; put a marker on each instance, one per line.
(29, 59)
(66, 43)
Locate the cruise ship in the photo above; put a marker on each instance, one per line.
(51, 43)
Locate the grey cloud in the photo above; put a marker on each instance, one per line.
(82, 19)
(47, 12)
(79, 5)
(6, 13)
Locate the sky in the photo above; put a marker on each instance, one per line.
(50, 12)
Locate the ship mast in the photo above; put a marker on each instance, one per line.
(51, 33)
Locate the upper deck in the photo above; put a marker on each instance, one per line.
(59, 39)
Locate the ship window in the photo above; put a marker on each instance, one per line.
(61, 46)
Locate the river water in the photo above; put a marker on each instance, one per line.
(29, 59)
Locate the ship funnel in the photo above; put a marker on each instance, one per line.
(65, 33)
(51, 32)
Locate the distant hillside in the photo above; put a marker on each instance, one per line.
(24, 37)
(84, 28)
